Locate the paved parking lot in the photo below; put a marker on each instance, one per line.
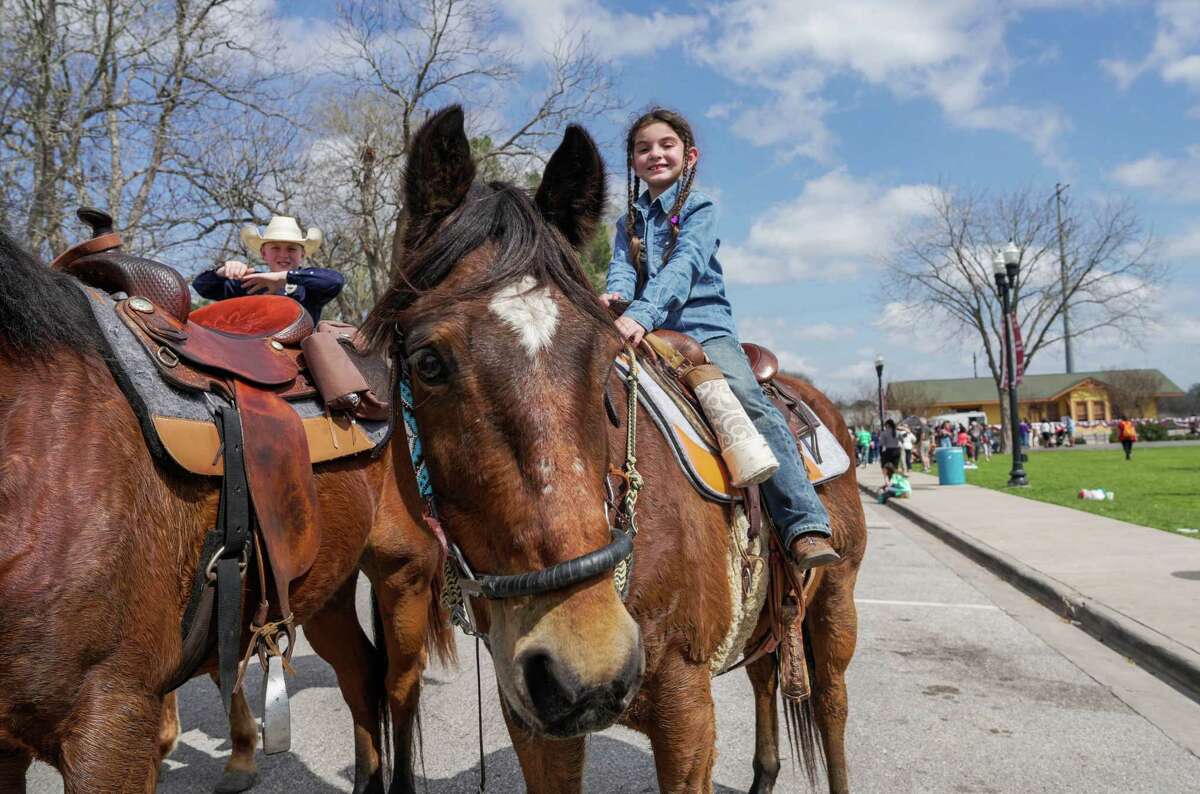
(959, 685)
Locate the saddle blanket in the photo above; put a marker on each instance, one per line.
(695, 447)
(178, 425)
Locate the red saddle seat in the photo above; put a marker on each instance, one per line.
(258, 316)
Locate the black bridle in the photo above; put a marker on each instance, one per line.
(464, 583)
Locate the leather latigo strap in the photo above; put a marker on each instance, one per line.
(801, 420)
(281, 480)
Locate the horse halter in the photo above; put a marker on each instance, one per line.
(462, 583)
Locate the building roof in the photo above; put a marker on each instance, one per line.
(1033, 387)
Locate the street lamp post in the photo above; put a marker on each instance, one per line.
(879, 376)
(1005, 266)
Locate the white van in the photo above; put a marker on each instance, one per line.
(963, 418)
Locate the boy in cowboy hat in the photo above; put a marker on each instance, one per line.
(283, 248)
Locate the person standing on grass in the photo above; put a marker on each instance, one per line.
(924, 445)
(1127, 435)
(974, 434)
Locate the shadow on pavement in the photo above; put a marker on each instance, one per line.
(608, 760)
(200, 710)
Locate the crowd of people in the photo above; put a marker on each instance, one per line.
(907, 444)
(1046, 434)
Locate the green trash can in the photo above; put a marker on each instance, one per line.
(950, 466)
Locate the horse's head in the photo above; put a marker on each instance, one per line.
(509, 352)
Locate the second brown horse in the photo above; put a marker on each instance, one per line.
(511, 354)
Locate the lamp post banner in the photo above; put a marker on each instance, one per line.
(1019, 349)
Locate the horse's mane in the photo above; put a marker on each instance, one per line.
(41, 311)
(501, 215)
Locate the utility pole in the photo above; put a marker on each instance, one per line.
(1062, 261)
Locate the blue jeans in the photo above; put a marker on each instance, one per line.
(790, 498)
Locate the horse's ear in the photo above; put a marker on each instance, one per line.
(572, 194)
(439, 173)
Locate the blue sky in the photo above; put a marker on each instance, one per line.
(820, 124)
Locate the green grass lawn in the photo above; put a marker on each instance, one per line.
(1159, 488)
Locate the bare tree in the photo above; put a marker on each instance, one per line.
(399, 62)
(860, 404)
(942, 269)
(1133, 391)
(910, 399)
(154, 110)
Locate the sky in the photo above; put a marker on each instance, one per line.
(822, 125)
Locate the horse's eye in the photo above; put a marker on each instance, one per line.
(429, 366)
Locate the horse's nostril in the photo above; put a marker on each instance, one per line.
(552, 692)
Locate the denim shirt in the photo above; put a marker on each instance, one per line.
(687, 294)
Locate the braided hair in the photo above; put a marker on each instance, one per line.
(684, 130)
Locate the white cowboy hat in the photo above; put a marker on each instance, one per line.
(281, 229)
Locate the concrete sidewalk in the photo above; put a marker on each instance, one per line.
(1134, 588)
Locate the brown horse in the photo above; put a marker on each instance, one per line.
(510, 356)
(99, 545)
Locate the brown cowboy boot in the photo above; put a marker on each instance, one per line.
(812, 551)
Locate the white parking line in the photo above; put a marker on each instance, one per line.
(923, 604)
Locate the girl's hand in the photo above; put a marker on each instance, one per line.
(631, 330)
(257, 283)
(233, 269)
(608, 298)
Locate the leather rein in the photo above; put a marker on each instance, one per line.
(462, 582)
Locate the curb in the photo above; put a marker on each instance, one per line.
(1160, 655)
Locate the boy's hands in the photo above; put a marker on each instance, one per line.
(631, 330)
(609, 298)
(256, 283)
(233, 269)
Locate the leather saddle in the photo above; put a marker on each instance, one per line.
(251, 355)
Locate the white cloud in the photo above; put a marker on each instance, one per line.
(950, 51)
(836, 228)
(1185, 245)
(794, 343)
(1174, 54)
(1172, 178)
(542, 24)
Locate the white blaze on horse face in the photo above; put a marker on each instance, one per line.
(531, 312)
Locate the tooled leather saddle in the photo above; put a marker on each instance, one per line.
(250, 358)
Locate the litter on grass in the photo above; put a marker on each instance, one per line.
(1188, 530)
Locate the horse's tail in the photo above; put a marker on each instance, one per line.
(383, 704)
(803, 730)
(41, 310)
